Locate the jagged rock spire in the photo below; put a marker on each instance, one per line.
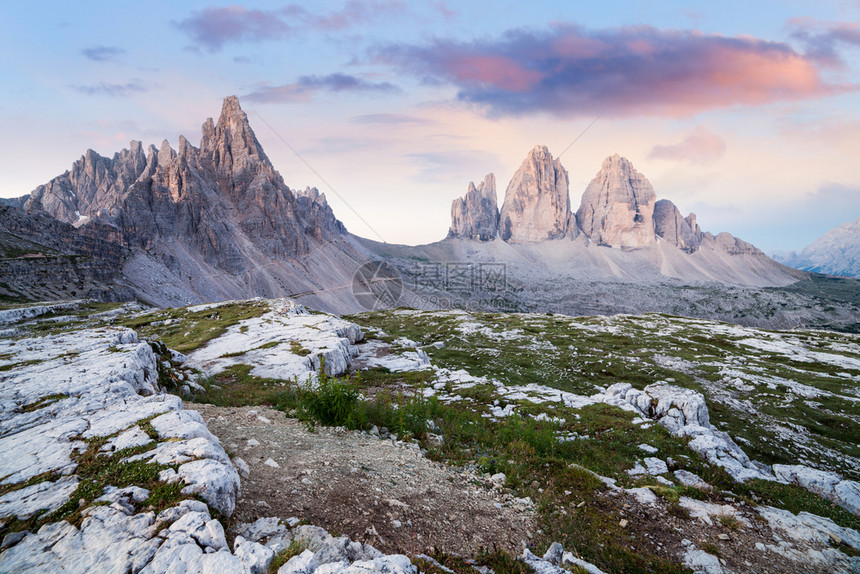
(231, 142)
(537, 201)
(476, 214)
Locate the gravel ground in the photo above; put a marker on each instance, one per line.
(370, 489)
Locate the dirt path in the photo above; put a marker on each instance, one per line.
(367, 488)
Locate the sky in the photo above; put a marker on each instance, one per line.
(744, 112)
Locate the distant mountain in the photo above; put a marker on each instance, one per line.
(619, 211)
(215, 222)
(837, 252)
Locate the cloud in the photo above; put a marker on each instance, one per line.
(700, 147)
(306, 86)
(102, 53)
(570, 71)
(441, 6)
(214, 27)
(821, 40)
(114, 90)
(389, 119)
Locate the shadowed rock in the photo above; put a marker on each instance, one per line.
(476, 215)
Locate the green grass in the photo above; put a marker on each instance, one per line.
(187, 330)
(43, 402)
(584, 354)
(294, 549)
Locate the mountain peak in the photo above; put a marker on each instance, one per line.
(476, 214)
(537, 201)
(618, 205)
(231, 142)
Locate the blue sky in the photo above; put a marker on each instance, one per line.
(747, 113)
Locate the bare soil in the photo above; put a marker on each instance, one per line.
(373, 490)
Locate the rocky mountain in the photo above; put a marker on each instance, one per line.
(43, 258)
(476, 215)
(617, 207)
(217, 222)
(206, 223)
(683, 233)
(837, 252)
(537, 201)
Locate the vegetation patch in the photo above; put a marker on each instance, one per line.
(43, 402)
(186, 331)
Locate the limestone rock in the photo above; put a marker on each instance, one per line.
(684, 413)
(476, 214)
(845, 493)
(675, 229)
(537, 201)
(617, 207)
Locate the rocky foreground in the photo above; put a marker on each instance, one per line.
(104, 471)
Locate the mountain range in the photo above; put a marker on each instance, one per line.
(837, 252)
(216, 221)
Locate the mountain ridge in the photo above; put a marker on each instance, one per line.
(837, 252)
(215, 222)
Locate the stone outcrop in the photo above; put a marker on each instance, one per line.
(682, 232)
(476, 215)
(537, 201)
(617, 206)
(318, 216)
(684, 413)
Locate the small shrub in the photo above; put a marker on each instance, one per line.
(729, 521)
(711, 549)
(333, 401)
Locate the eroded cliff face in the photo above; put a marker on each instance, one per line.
(43, 258)
(224, 200)
(476, 214)
(537, 201)
(617, 207)
(682, 232)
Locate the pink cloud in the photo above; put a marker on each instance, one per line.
(700, 147)
(570, 71)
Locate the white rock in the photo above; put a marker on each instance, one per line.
(702, 562)
(845, 493)
(130, 438)
(182, 424)
(254, 556)
(498, 478)
(44, 496)
(689, 479)
(206, 531)
(304, 563)
(241, 467)
(271, 462)
(217, 482)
